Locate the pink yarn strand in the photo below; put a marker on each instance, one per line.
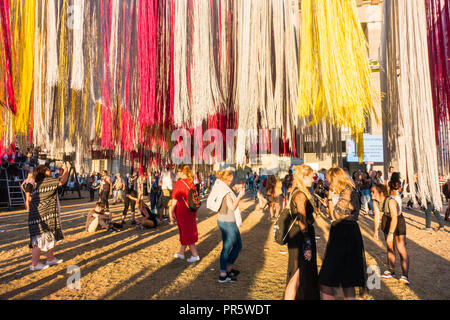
(5, 20)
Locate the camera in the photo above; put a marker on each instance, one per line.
(69, 157)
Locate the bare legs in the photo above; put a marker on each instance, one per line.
(274, 209)
(401, 248)
(36, 254)
(292, 287)
(147, 223)
(328, 293)
(390, 256)
(193, 249)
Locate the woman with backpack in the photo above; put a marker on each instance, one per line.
(393, 226)
(344, 263)
(302, 275)
(223, 200)
(186, 219)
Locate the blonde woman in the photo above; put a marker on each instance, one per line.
(186, 219)
(302, 277)
(223, 201)
(344, 262)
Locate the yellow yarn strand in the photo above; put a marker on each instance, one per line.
(26, 59)
(63, 88)
(335, 76)
(98, 125)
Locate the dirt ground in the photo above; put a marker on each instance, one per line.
(135, 264)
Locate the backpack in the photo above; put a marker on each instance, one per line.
(193, 202)
(285, 222)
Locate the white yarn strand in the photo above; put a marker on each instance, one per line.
(205, 93)
(77, 82)
(114, 44)
(181, 99)
(39, 49)
(416, 102)
(52, 73)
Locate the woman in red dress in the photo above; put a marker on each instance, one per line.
(186, 219)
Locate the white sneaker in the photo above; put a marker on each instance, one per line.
(388, 274)
(178, 256)
(193, 259)
(54, 262)
(404, 280)
(39, 266)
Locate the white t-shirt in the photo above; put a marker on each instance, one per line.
(167, 180)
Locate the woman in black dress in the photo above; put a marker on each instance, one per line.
(344, 264)
(302, 276)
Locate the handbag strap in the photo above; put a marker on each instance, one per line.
(289, 230)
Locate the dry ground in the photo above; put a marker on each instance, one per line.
(135, 264)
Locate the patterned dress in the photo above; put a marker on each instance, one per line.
(44, 222)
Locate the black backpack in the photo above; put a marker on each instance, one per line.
(193, 202)
(285, 222)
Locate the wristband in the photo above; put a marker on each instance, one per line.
(391, 233)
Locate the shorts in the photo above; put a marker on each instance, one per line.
(152, 217)
(166, 199)
(28, 188)
(273, 200)
(401, 225)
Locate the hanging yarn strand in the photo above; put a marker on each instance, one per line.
(27, 26)
(77, 53)
(416, 103)
(181, 98)
(6, 37)
(335, 76)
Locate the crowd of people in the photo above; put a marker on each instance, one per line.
(174, 195)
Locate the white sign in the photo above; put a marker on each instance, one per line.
(313, 165)
(373, 149)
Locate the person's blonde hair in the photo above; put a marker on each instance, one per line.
(299, 173)
(224, 175)
(339, 179)
(186, 170)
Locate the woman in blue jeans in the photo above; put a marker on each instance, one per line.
(232, 243)
(366, 197)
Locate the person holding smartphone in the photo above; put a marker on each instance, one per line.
(344, 263)
(302, 275)
(44, 218)
(225, 201)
